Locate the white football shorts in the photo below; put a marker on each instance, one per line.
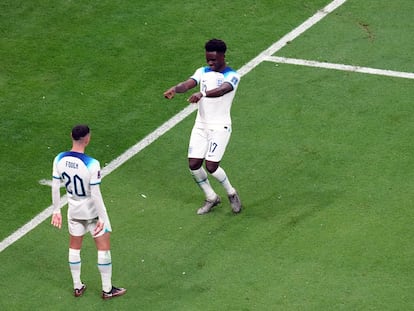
(209, 144)
(79, 227)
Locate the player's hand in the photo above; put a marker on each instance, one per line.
(169, 93)
(195, 98)
(99, 227)
(57, 220)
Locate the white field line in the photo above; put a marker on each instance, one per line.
(310, 63)
(148, 140)
(175, 120)
(291, 36)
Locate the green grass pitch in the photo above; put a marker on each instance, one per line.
(322, 158)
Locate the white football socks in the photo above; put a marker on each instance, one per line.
(221, 176)
(105, 268)
(200, 177)
(75, 267)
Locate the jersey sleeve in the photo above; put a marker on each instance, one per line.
(56, 195)
(55, 172)
(95, 170)
(99, 203)
(233, 78)
(95, 181)
(56, 186)
(197, 75)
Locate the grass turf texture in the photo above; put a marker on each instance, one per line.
(106, 64)
(321, 159)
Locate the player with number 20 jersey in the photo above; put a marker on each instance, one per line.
(78, 172)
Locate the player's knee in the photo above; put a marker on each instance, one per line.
(212, 166)
(194, 164)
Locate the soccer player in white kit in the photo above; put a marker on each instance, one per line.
(81, 176)
(212, 128)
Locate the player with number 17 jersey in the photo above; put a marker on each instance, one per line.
(214, 112)
(78, 172)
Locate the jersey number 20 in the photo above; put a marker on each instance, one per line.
(74, 186)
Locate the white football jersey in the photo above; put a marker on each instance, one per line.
(78, 172)
(214, 112)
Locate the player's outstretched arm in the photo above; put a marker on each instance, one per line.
(180, 88)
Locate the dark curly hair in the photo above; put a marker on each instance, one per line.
(216, 45)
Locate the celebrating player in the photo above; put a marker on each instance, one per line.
(212, 129)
